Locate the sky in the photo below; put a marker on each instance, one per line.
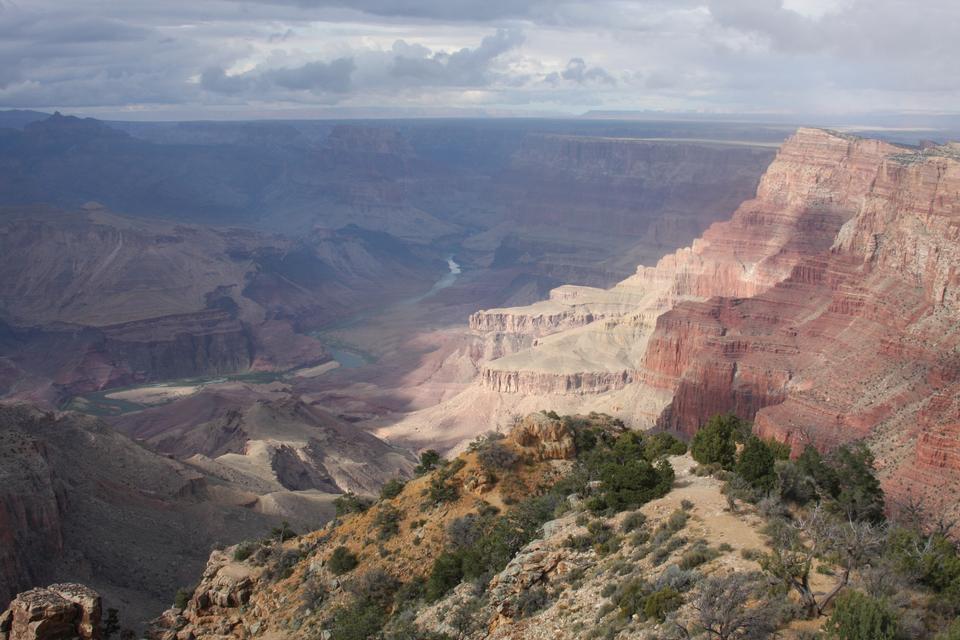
(179, 59)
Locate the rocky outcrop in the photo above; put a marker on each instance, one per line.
(57, 612)
(547, 383)
(542, 437)
(213, 609)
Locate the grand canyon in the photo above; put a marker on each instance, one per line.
(343, 332)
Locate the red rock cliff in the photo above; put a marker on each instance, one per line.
(857, 341)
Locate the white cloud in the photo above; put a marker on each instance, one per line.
(737, 55)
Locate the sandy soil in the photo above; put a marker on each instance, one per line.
(319, 370)
(155, 395)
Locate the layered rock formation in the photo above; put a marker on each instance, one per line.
(271, 444)
(808, 192)
(91, 300)
(825, 310)
(630, 199)
(57, 612)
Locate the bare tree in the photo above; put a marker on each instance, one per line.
(722, 611)
(795, 546)
(917, 513)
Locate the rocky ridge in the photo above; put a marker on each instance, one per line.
(246, 598)
(81, 502)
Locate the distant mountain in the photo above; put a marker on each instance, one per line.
(19, 118)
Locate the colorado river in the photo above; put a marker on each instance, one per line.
(351, 357)
(445, 282)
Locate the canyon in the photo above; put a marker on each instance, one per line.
(222, 320)
(824, 311)
(261, 360)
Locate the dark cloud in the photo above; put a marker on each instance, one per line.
(578, 72)
(688, 54)
(462, 68)
(314, 77)
(432, 9)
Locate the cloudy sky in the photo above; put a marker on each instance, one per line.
(250, 58)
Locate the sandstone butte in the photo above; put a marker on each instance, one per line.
(826, 309)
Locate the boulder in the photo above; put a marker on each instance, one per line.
(57, 612)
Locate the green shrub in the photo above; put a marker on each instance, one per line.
(387, 520)
(182, 598)
(932, 560)
(633, 521)
(698, 555)
(244, 550)
(680, 580)
(447, 573)
(350, 503)
(661, 553)
(283, 532)
(429, 460)
(860, 496)
(579, 542)
(857, 616)
(756, 464)
(341, 561)
(677, 521)
(659, 603)
(663, 444)
(466, 531)
(846, 480)
(392, 488)
(282, 563)
(494, 455)
(631, 596)
(639, 537)
(714, 442)
(409, 592)
(751, 554)
(781, 450)
(632, 483)
(441, 490)
(531, 600)
(360, 620)
(950, 633)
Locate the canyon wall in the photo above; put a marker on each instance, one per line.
(92, 300)
(80, 502)
(629, 200)
(825, 310)
(809, 191)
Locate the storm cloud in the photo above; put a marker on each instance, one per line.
(251, 56)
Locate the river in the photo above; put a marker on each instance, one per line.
(347, 355)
